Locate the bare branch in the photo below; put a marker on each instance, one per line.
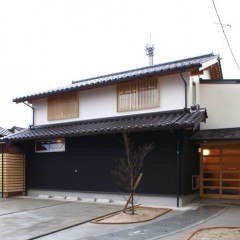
(129, 168)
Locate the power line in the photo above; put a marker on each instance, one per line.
(222, 26)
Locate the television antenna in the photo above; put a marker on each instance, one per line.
(223, 26)
(149, 48)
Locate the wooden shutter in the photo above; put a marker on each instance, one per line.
(63, 106)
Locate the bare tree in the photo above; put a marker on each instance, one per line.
(129, 168)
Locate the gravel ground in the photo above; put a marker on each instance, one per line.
(221, 233)
(141, 214)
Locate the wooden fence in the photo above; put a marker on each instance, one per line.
(12, 174)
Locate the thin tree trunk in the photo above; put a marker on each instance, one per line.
(132, 202)
(131, 196)
(129, 168)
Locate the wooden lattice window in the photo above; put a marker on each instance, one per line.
(63, 106)
(137, 95)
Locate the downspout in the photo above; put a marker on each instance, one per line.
(33, 113)
(178, 172)
(178, 165)
(185, 87)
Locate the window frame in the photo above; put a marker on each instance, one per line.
(140, 96)
(194, 93)
(49, 143)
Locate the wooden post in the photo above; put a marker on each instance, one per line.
(134, 188)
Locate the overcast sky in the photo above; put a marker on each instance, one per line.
(49, 43)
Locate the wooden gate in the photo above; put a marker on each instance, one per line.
(12, 174)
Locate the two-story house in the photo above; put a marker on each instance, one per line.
(76, 131)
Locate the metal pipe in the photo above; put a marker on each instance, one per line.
(178, 166)
(33, 111)
(178, 172)
(185, 87)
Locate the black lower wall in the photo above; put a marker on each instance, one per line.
(87, 163)
(190, 162)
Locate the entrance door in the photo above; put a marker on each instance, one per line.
(220, 172)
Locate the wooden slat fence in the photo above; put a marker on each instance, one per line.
(12, 174)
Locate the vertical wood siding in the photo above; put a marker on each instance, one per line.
(63, 106)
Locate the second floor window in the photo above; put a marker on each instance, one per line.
(63, 106)
(141, 94)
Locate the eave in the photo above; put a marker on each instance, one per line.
(222, 134)
(177, 119)
(192, 65)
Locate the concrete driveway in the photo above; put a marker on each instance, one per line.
(28, 218)
(45, 219)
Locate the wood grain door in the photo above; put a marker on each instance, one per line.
(220, 172)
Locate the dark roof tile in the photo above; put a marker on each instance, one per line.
(4, 132)
(145, 122)
(169, 67)
(217, 134)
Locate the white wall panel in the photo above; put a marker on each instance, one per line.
(222, 102)
(102, 102)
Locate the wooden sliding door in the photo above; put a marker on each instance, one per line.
(220, 172)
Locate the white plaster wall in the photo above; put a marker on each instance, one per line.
(40, 111)
(193, 79)
(206, 74)
(98, 103)
(223, 105)
(172, 92)
(102, 102)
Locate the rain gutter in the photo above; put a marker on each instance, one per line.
(33, 113)
(185, 88)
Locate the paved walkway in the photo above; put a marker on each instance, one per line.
(22, 219)
(44, 219)
(228, 217)
(161, 227)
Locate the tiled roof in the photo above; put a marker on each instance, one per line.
(4, 132)
(165, 68)
(142, 122)
(217, 134)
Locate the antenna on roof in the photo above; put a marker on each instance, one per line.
(149, 48)
(223, 26)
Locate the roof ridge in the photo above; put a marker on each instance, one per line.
(142, 68)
